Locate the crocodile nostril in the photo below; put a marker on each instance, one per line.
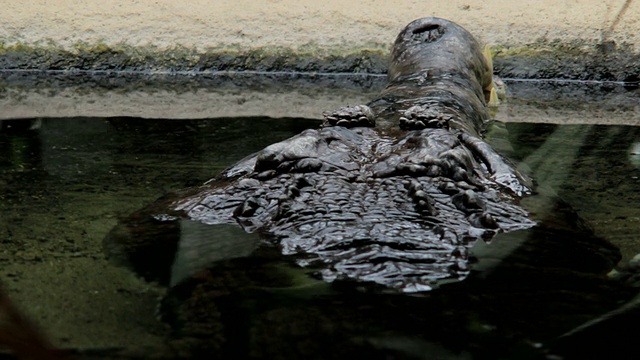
(429, 32)
(426, 27)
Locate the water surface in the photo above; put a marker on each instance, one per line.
(65, 182)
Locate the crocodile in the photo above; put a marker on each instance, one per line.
(391, 194)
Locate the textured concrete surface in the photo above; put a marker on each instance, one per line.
(331, 25)
(543, 39)
(561, 104)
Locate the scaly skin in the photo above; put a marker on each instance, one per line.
(397, 205)
(390, 208)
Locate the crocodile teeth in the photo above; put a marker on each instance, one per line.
(493, 97)
(487, 55)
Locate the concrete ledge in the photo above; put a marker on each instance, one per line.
(25, 96)
(589, 39)
(181, 97)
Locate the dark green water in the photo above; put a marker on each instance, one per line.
(65, 182)
(64, 185)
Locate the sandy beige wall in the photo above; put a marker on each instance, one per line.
(329, 25)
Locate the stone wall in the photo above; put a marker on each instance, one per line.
(541, 39)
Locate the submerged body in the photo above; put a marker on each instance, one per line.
(399, 204)
(393, 194)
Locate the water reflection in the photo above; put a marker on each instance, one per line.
(62, 187)
(202, 245)
(537, 283)
(229, 293)
(589, 167)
